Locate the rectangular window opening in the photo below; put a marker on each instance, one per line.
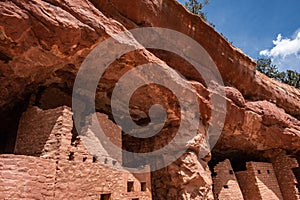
(94, 159)
(225, 186)
(130, 186)
(143, 186)
(105, 196)
(71, 156)
(258, 171)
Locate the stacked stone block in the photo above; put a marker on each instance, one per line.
(283, 167)
(54, 165)
(226, 186)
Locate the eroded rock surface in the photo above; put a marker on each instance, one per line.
(43, 43)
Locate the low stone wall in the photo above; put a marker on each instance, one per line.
(26, 177)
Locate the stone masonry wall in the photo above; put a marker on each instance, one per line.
(65, 169)
(90, 180)
(104, 144)
(283, 166)
(259, 182)
(26, 177)
(248, 186)
(37, 132)
(266, 180)
(225, 183)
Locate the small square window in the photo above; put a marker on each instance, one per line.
(71, 156)
(143, 186)
(114, 162)
(258, 171)
(225, 186)
(130, 186)
(268, 171)
(230, 172)
(94, 159)
(105, 196)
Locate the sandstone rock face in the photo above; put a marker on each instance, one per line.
(43, 44)
(236, 68)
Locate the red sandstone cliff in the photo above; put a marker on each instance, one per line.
(43, 44)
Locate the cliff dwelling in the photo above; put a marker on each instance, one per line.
(51, 150)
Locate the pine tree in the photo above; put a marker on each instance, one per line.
(196, 7)
(289, 77)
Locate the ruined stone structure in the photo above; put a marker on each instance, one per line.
(52, 163)
(42, 46)
(51, 160)
(261, 180)
(286, 168)
(225, 183)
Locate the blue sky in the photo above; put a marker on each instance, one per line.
(261, 28)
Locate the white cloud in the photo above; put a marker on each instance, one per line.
(289, 62)
(283, 47)
(285, 53)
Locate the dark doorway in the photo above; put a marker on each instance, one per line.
(143, 186)
(130, 186)
(105, 196)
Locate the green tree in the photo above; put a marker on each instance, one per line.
(265, 66)
(196, 7)
(289, 77)
(281, 77)
(293, 78)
